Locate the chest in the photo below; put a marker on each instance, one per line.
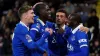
(73, 39)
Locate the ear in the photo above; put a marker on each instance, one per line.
(66, 20)
(25, 15)
(75, 22)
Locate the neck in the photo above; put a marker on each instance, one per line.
(42, 18)
(60, 25)
(25, 22)
(74, 26)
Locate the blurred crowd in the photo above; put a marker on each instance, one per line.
(86, 9)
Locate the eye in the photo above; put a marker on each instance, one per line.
(61, 16)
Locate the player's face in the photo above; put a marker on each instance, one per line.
(46, 11)
(60, 18)
(30, 16)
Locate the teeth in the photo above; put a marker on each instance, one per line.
(49, 15)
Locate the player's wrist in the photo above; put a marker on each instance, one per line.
(45, 34)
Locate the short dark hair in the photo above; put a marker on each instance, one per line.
(38, 8)
(63, 11)
(24, 8)
(76, 17)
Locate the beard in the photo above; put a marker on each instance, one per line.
(58, 22)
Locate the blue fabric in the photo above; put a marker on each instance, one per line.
(22, 43)
(78, 44)
(57, 42)
(44, 45)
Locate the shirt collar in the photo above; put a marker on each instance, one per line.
(63, 27)
(41, 21)
(24, 25)
(74, 31)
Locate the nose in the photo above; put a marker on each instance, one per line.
(33, 15)
(58, 18)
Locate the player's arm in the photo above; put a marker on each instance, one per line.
(85, 29)
(83, 43)
(27, 40)
(33, 30)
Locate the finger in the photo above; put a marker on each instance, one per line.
(81, 28)
(46, 29)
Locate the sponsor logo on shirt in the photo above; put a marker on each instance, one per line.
(70, 47)
(46, 40)
(73, 38)
(38, 25)
(82, 40)
(29, 39)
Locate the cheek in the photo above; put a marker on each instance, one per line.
(63, 20)
(30, 16)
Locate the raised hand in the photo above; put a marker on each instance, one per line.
(49, 30)
(85, 29)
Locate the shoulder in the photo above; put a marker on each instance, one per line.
(67, 28)
(81, 34)
(50, 24)
(35, 25)
(20, 29)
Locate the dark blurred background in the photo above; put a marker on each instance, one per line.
(89, 11)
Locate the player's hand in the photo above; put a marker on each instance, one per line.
(45, 54)
(49, 30)
(85, 29)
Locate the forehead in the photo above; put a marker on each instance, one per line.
(60, 13)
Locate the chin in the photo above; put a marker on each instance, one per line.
(58, 22)
(33, 22)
